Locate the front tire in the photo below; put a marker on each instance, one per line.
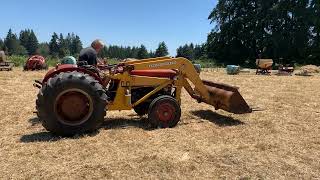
(164, 112)
(142, 109)
(71, 103)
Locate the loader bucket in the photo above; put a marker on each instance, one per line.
(226, 97)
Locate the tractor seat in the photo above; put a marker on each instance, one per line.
(162, 73)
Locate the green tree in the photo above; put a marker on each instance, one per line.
(29, 40)
(186, 51)
(274, 29)
(103, 52)
(13, 45)
(63, 47)
(134, 52)
(152, 54)
(199, 51)
(76, 45)
(43, 49)
(32, 44)
(162, 50)
(21, 51)
(54, 45)
(142, 53)
(24, 37)
(68, 41)
(314, 57)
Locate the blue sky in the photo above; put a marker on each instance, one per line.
(121, 22)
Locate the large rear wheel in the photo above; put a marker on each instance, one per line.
(164, 112)
(71, 103)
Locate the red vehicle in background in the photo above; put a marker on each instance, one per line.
(35, 62)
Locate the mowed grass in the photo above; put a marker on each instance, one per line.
(280, 142)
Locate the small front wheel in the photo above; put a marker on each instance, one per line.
(164, 112)
(142, 109)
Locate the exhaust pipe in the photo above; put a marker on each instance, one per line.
(226, 97)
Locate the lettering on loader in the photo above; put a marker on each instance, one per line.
(162, 64)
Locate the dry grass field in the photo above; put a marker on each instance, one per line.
(280, 142)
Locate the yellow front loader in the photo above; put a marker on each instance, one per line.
(74, 99)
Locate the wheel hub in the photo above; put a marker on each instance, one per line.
(166, 112)
(73, 107)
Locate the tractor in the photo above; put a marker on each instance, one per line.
(35, 62)
(74, 99)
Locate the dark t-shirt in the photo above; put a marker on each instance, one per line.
(88, 54)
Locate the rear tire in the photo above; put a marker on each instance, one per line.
(71, 103)
(164, 112)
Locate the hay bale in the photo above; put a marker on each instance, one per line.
(233, 69)
(310, 69)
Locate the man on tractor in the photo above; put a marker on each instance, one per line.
(90, 54)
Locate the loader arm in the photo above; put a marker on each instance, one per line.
(219, 95)
(184, 67)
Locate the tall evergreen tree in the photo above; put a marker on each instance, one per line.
(76, 45)
(152, 54)
(53, 45)
(13, 45)
(68, 41)
(32, 43)
(142, 53)
(162, 50)
(186, 51)
(199, 51)
(29, 40)
(63, 47)
(24, 37)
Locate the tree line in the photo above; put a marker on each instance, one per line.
(27, 44)
(287, 31)
(141, 52)
(59, 46)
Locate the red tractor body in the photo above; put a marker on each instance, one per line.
(69, 67)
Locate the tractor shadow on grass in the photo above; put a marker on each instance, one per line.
(109, 123)
(39, 137)
(216, 118)
(48, 137)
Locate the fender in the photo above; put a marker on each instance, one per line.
(68, 67)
